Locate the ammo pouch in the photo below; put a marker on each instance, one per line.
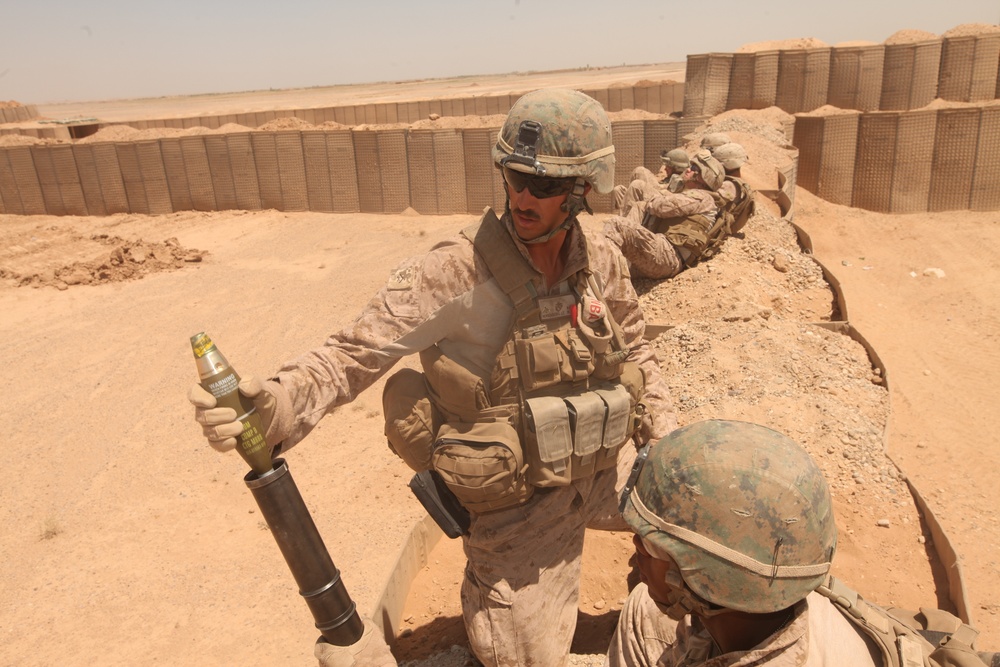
(575, 436)
(482, 463)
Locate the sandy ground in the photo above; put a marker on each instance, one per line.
(127, 540)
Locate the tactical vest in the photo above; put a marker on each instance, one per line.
(928, 638)
(690, 234)
(700, 236)
(561, 401)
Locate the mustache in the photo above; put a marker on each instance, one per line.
(526, 213)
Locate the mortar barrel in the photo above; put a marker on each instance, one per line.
(306, 555)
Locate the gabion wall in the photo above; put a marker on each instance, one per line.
(960, 69)
(373, 171)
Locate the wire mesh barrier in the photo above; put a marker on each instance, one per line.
(877, 160)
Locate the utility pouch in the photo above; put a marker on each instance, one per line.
(691, 233)
(538, 360)
(482, 463)
(547, 359)
(411, 420)
(457, 393)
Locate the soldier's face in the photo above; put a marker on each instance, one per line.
(653, 573)
(692, 179)
(534, 217)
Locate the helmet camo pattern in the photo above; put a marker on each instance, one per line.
(713, 140)
(742, 509)
(712, 172)
(574, 137)
(677, 159)
(731, 155)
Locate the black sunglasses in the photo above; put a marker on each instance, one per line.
(540, 187)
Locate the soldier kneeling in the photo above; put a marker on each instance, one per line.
(734, 536)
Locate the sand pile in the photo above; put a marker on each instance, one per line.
(908, 36)
(101, 258)
(783, 44)
(972, 30)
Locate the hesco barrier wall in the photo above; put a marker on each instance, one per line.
(17, 114)
(803, 79)
(856, 77)
(879, 161)
(914, 72)
(883, 161)
(707, 81)
(663, 97)
(969, 66)
(441, 171)
(959, 69)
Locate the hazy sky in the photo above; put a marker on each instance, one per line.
(62, 50)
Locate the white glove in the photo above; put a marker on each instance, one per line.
(219, 425)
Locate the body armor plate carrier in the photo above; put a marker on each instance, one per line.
(562, 400)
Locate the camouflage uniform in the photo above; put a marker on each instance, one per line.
(522, 579)
(649, 253)
(667, 205)
(727, 191)
(817, 635)
(643, 185)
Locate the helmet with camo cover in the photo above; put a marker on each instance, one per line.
(559, 133)
(677, 159)
(713, 140)
(742, 509)
(711, 171)
(731, 155)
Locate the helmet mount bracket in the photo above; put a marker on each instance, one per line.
(529, 138)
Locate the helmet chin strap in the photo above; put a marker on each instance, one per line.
(575, 202)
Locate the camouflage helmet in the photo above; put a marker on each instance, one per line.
(676, 159)
(559, 133)
(731, 155)
(712, 173)
(743, 510)
(713, 140)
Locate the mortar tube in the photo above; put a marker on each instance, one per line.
(306, 555)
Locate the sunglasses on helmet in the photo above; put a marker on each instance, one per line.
(540, 187)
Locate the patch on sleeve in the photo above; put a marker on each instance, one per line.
(402, 279)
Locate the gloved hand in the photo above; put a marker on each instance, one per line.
(220, 426)
(369, 651)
